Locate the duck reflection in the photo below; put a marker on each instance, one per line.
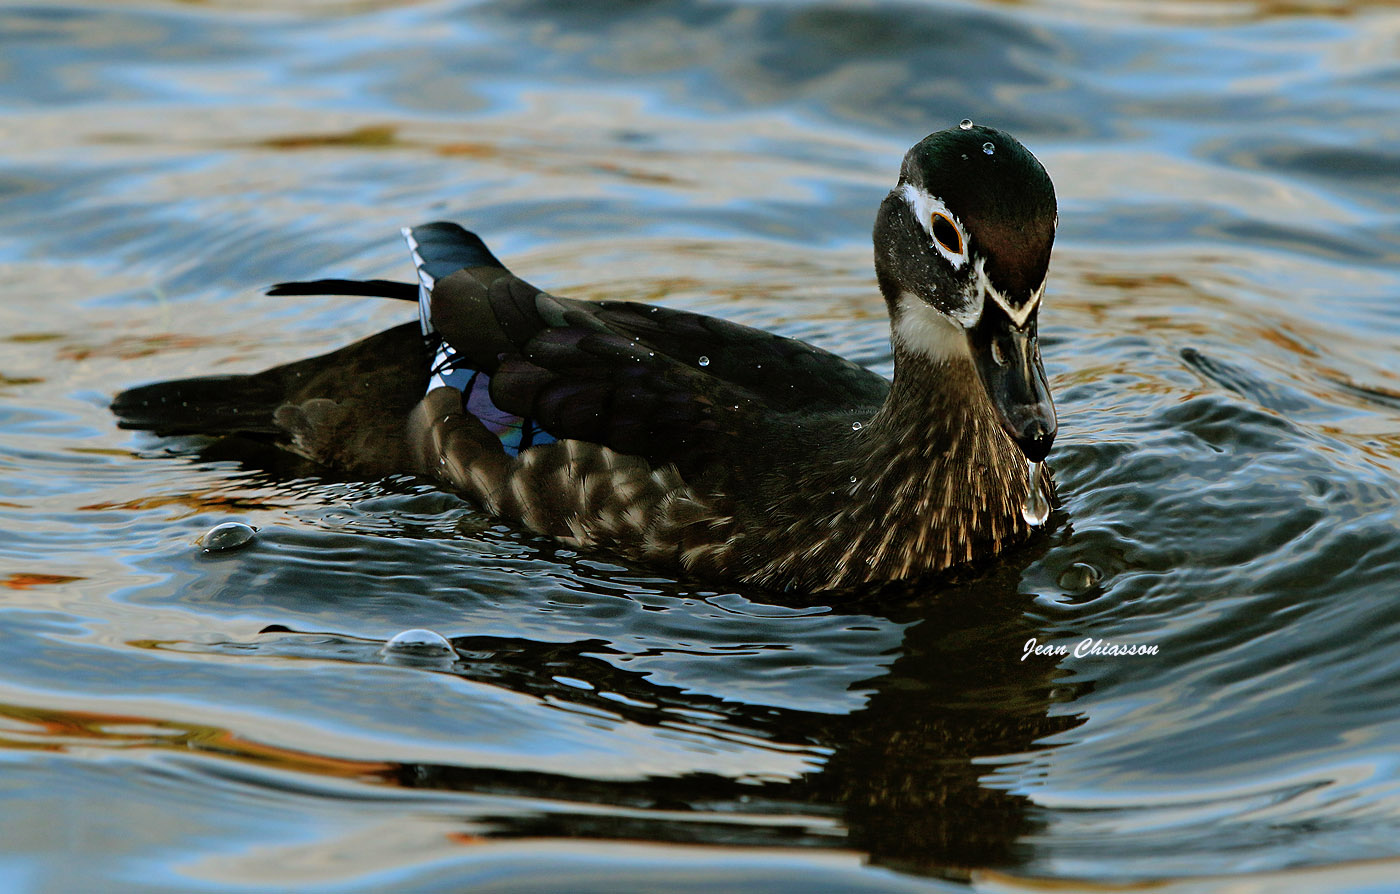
(901, 779)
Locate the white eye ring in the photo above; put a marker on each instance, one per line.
(946, 235)
(945, 232)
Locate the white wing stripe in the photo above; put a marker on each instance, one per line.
(425, 283)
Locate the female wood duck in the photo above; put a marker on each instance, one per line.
(694, 443)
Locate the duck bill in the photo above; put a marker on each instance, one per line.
(1008, 361)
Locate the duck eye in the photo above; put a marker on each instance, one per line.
(946, 232)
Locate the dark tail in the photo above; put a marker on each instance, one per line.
(373, 288)
(439, 250)
(346, 409)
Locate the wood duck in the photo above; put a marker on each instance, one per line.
(691, 442)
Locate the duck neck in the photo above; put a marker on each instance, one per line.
(928, 482)
(940, 481)
(937, 436)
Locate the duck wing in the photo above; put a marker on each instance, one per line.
(667, 385)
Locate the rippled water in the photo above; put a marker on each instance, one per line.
(1220, 334)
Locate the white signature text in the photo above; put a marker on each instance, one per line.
(1087, 648)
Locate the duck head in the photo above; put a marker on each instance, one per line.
(962, 247)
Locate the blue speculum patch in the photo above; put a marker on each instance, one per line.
(516, 432)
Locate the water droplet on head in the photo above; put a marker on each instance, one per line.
(704, 361)
(229, 535)
(988, 149)
(1036, 508)
(857, 426)
(965, 124)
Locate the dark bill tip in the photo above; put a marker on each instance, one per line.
(1035, 434)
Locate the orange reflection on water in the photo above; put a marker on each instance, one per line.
(197, 502)
(134, 347)
(28, 728)
(28, 580)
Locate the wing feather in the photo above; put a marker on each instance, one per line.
(630, 376)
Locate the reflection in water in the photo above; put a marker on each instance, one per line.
(900, 777)
(905, 771)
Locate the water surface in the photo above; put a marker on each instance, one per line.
(1220, 333)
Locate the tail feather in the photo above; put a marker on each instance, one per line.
(372, 288)
(205, 405)
(347, 409)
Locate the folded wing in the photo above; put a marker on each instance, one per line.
(667, 385)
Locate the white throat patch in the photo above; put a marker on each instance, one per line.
(928, 331)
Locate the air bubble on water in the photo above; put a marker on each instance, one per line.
(965, 124)
(419, 639)
(418, 646)
(1079, 577)
(229, 535)
(1036, 509)
(988, 149)
(857, 426)
(704, 361)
